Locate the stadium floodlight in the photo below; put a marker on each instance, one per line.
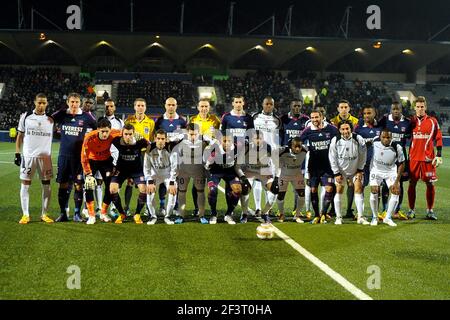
(269, 42)
(407, 51)
(157, 36)
(359, 50)
(312, 49)
(42, 36)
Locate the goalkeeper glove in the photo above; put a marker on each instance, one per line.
(437, 161)
(17, 159)
(246, 186)
(90, 182)
(275, 188)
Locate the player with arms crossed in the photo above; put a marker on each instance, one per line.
(129, 166)
(35, 138)
(422, 159)
(161, 166)
(388, 163)
(347, 158)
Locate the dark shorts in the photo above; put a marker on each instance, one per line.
(69, 169)
(324, 180)
(105, 167)
(119, 177)
(229, 179)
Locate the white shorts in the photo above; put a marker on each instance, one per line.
(183, 182)
(377, 177)
(297, 182)
(30, 164)
(254, 176)
(166, 181)
(346, 178)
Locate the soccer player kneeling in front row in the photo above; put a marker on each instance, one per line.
(129, 166)
(160, 166)
(96, 156)
(347, 156)
(388, 165)
(291, 159)
(257, 163)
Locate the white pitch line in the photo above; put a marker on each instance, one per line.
(347, 285)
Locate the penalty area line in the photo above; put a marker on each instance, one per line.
(347, 285)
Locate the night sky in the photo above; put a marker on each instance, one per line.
(406, 20)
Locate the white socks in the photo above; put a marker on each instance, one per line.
(99, 196)
(46, 194)
(359, 201)
(257, 191)
(322, 198)
(337, 204)
(393, 201)
(150, 206)
(25, 199)
(307, 198)
(374, 204)
(201, 203)
(171, 200)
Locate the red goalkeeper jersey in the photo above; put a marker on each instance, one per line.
(425, 134)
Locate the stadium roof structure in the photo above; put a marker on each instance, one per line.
(238, 52)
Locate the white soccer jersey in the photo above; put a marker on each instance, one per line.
(190, 157)
(347, 155)
(291, 163)
(384, 158)
(38, 134)
(160, 163)
(116, 123)
(259, 160)
(270, 126)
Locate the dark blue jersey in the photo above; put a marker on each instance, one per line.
(368, 132)
(236, 125)
(173, 127)
(73, 128)
(401, 129)
(292, 126)
(318, 141)
(130, 156)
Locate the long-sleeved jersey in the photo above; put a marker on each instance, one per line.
(425, 133)
(258, 160)
(219, 161)
(96, 149)
(129, 155)
(73, 129)
(160, 163)
(237, 125)
(347, 156)
(190, 155)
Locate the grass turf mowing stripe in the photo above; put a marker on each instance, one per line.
(347, 285)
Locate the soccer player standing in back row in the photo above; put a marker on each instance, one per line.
(35, 136)
(422, 159)
(74, 124)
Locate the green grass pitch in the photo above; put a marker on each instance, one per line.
(194, 261)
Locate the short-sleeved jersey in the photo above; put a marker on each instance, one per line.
(38, 134)
(96, 149)
(146, 127)
(130, 155)
(219, 161)
(190, 154)
(270, 125)
(258, 159)
(338, 119)
(318, 141)
(291, 163)
(237, 125)
(206, 126)
(386, 158)
(116, 123)
(173, 126)
(292, 126)
(425, 133)
(368, 132)
(73, 129)
(401, 129)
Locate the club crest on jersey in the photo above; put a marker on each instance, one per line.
(81, 123)
(403, 129)
(146, 130)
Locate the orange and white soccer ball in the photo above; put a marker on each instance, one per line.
(265, 231)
